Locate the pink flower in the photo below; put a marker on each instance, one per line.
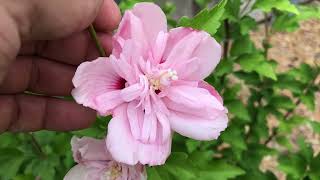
(95, 163)
(153, 84)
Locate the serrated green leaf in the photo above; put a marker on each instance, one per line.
(284, 141)
(314, 172)
(293, 165)
(221, 171)
(249, 78)
(235, 137)
(282, 102)
(286, 126)
(201, 158)
(243, 45)
(231, 93)
(247, 24)
(192, 145)
(315, 126)
(305, 149)
(309, 100)
(177, 157)
(10, 161)
(206, 20)
(266, 69)
(179, 166)
(224, 67)
(282, 5)
(232, 10)
(238, 109)
(308, 12)
(24, 177)
(257, 63)
(285, 81)
(285, 23)
(153, 174)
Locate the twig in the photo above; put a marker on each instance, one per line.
(290, 112)
(95, 38)
(267, 36)
(227, 39)
(306, 2)
(245, 7)
(37, 146)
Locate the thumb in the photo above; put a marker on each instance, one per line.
(25, 20)
(44, 20)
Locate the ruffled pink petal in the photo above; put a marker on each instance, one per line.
(193, 54)
(123, 145)
(152, 18)
(211, 89)
(89, 149)
(142, 24)
(123, 69)
(195, 113)
(94, 79)
(78, 172)
(130, 28)
(196, 127)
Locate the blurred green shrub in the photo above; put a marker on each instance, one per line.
(238, 152)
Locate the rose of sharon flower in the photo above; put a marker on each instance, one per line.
(152, 83)
(95, 163)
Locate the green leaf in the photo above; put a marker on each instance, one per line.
(257, 63)
(285, 81)
(207, 20)
(179, 166)
(192, 145)
(286, 126)
(201, 158)
(249, 78)
(285, 22)
(282, 102)
(243, 45)
(284, 141)
(247, 24)
(282, 5)
(293, 165)
(10, 162)
(306, 150)
(231, 93)
(308, 12)
(153, 174)
(309, 100)
(24, 177)
(315, 126)
(314, 172)
(234, 136)
(202, 3)
(220, 170)
(232, 10)
(224, 67)
(177, 157)
(238, 109)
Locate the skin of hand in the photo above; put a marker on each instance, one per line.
(41, 44)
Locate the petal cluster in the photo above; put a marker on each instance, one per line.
(152, 84)
(95, 163)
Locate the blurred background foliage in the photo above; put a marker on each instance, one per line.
(271, 95)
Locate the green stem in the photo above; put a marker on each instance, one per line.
(37, 145)
(95, 38)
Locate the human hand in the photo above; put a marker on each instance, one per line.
(41, 44)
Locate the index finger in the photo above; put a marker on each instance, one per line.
(22, 113)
